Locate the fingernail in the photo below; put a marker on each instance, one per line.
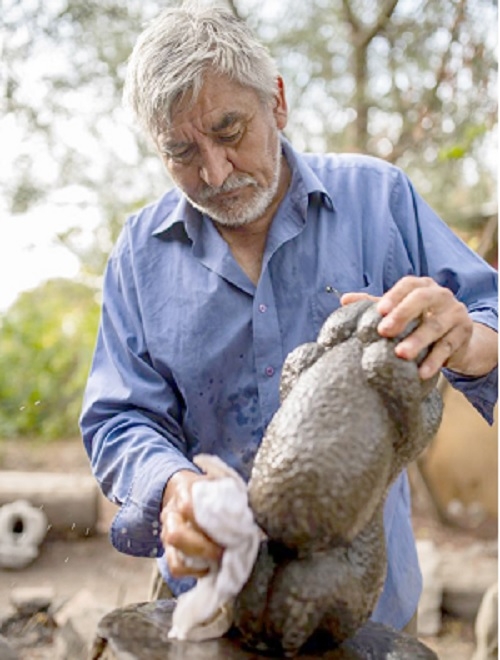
(401, 350)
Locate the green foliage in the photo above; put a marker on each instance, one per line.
(46, 343)
(457, 151)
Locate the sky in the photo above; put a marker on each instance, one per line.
(29, 249)
(29, 253)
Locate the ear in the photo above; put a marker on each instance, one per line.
(280, 109)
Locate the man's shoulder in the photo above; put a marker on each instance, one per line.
(353, 174)
(151, 216)
(141, 226)
(349, 163)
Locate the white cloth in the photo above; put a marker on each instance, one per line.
(221, 509)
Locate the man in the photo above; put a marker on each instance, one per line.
(209, 289)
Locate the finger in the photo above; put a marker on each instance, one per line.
(434, 305)
(348, 298)
(431, 329)
(178, 567)
(182, 503)
(187, 538)
(442, 350)
(396, 294)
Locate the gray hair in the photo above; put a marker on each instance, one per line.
(175, 51)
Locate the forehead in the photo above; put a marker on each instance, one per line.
(219, 102)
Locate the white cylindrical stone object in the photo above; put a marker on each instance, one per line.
(70, 501)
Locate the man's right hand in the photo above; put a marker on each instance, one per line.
(180, 534)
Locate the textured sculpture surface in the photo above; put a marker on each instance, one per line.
(352, 416)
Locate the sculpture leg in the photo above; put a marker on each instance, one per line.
(251, 604)
(333, 591)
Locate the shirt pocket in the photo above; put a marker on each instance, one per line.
(327, 297)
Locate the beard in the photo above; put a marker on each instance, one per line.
(233, 211)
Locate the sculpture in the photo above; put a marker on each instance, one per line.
(352, 416)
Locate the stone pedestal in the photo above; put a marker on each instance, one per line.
(140, 632)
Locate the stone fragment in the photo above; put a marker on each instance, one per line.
(30, 600)
(77, 621)
(486, 626)
(466, 575)
(429, 607)
(6, 650)
(22, 529)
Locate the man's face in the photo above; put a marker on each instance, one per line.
(223, 150)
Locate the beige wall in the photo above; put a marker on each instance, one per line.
(462, 462)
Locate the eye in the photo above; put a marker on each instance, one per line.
(228, 138)
(180, 156)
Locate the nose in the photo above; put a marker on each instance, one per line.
(215, 166)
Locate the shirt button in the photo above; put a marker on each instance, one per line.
(269, 371)
(263, 308)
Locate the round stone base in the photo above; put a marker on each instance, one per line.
(140, 632)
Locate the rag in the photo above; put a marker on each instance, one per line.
(221, 510)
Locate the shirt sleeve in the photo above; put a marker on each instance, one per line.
(130, 414)
(436, 251)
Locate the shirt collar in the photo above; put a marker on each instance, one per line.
(304, 187)
(183, 213)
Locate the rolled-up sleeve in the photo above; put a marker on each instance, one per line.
(130, 416)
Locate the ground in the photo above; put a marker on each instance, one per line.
(115, 579)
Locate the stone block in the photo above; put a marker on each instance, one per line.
(466, 575)
(6, 650)
(30, 600)
(70, 501)
(77, 621)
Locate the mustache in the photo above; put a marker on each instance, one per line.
(233, 182)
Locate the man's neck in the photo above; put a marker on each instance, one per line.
(248, 242)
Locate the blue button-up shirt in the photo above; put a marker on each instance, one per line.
(189, 351)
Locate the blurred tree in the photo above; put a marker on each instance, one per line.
(409, 81)
(60, 96)
(46, 343)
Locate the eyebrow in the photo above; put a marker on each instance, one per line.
(174, 146)
(229, 119)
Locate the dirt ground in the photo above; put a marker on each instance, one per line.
(115, 579)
